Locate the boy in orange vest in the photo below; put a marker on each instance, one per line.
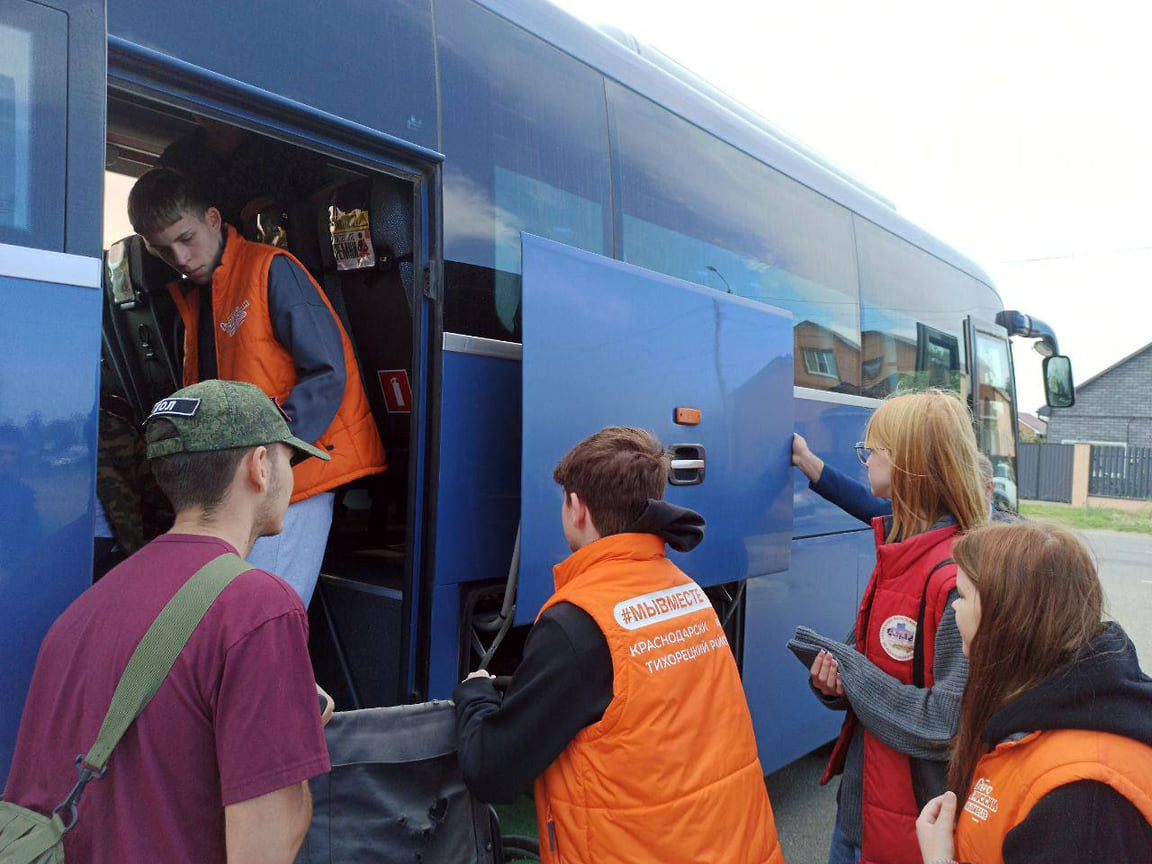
(627, 709)
(252, 313)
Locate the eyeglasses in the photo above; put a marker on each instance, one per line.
(864, 453)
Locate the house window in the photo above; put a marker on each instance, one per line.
(818, 362)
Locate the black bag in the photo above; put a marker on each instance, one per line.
(395, 793)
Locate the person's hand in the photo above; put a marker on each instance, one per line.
(480, 673)
(329, 706)
(826, 675)
(934, 829)
(811, 465)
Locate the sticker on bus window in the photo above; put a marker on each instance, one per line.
(351, 239)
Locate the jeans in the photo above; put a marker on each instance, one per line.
(296, 553)
(842, 851)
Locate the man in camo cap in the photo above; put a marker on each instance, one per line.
(224, 751)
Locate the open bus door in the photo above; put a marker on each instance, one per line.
(51, 175)
(993, 395)
(607, 343)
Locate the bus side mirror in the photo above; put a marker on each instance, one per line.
(1058, 389)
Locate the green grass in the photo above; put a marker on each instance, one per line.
(518, 817)
(1089, 518)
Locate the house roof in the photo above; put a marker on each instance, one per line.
(1115, 365)
(1036, 424)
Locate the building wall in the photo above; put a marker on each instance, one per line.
(1117, 406)
(814, 337)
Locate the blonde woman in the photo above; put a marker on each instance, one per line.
(1054, 754)
(901, 676)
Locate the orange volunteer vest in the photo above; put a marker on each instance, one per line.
(1013, 777)
(247, 350)
(670, 774)
(910, 582)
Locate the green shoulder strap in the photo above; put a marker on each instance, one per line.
(158, 650)
(26, 836)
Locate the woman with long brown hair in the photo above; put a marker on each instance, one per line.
(1053, 758)
(901, 674)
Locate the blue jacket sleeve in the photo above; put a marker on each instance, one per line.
(306, 328)
(851, 496)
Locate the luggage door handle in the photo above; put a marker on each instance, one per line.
(687, 465)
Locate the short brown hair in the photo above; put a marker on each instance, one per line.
(198, 479)
(161, 197)
(615, 472)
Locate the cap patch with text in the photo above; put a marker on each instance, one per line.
(175, 408)
(221, 415)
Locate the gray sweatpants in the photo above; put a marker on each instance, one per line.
(296, 553)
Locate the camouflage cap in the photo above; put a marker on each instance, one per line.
(219, 415)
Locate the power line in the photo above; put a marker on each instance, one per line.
(1077, 255)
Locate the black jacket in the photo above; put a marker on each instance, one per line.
(1104, 691)
(563, 684)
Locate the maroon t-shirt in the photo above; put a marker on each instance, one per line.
(236, 718)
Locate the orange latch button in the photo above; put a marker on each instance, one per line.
(687, 416)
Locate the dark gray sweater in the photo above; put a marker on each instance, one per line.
(916, 721)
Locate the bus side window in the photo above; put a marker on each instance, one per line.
(912, 312)
(33, 123)
(696, 208)
(519, 158)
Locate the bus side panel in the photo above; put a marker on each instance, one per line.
(371, 63)
(831, 430)
(443, 656)
(48, 393)
(478, 508)
(819, 591)
(832, 558)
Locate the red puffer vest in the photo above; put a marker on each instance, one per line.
(896, 630)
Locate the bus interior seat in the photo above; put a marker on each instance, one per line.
(142, 321)
(307, 228)
(378, 318)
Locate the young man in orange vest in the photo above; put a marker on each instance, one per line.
(252, 313)
(627, 709)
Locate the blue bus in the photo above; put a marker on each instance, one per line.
(558, 229)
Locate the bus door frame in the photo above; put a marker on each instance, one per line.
(973, 326)
(50, 275)
(152, 77)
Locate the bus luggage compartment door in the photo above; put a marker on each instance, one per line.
(607, 343)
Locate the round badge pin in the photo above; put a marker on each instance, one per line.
(898, 637)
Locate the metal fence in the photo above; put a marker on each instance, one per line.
(1044, 472)
(1121, 472)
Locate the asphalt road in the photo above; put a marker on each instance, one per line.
(805, 812)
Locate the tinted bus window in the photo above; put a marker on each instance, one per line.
(912, 312)
(33, 121)
(526, 149)
(696, 208)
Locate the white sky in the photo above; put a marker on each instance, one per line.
(1013, 131)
